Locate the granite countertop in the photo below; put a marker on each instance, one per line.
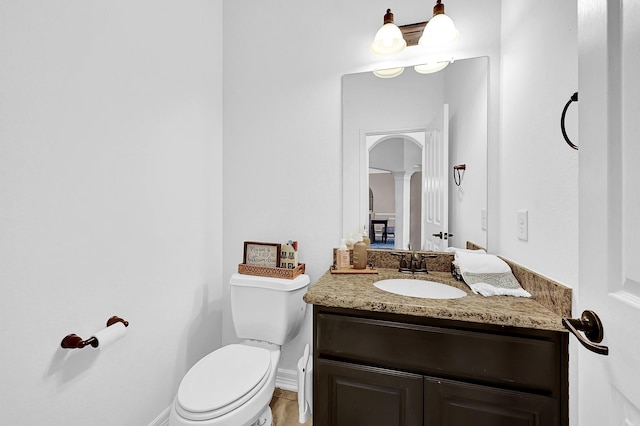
(356, 291)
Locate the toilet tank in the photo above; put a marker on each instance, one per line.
(267, 309)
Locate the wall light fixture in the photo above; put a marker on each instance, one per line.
(388, 39)
(440, 29)
(435, 33)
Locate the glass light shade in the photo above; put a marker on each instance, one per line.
(439, 31)
(431, 67)
(388, 41)
(388, 72)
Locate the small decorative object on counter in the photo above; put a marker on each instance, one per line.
(350, 242)
(359, 255)
(342, 255)
(365, 237)
(370, 269)
(261, 254)
(289, 255)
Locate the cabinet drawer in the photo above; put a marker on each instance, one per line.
(531, 364)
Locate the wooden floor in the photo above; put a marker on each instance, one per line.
(284, 406)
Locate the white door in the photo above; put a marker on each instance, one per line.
(609, 150)
(435, 201)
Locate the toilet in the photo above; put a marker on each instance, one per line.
(233, 385)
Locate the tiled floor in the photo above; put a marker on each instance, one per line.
(284, 406)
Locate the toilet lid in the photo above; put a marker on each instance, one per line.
(223, 377)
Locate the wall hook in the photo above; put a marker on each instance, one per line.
(574, 98)
(456, 169)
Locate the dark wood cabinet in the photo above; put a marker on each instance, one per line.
(458, 403)
(388, 369)
(364, 395)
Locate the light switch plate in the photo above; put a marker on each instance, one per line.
(483, 219)
(523, 225)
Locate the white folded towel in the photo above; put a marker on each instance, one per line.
(456, 249)
(488, 275)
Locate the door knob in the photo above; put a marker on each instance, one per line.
(442, 235)
(592, 327)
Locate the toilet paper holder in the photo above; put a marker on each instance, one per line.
(73, 341)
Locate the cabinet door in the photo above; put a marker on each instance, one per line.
(449, 403)
(356, 395)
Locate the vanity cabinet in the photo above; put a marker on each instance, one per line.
(356, 394)
(384, 369)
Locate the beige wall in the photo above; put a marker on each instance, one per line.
(383, 187)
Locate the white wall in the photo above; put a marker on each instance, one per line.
(466, 93)
(538, 170)
(282, 135)
(110, 150)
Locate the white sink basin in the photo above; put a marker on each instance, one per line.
(420, 288)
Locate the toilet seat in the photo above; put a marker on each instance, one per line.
(223, 381)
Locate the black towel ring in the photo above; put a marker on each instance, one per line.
(456, 169)
(574, 98)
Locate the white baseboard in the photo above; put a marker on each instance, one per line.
(287, 380)
(162, 419)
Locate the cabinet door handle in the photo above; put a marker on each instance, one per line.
(592, 327)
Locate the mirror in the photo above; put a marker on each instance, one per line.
(402, 138)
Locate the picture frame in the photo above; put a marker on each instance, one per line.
(261, 254)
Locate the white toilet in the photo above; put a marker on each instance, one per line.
(232, 386)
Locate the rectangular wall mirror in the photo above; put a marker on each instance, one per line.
(404, 140)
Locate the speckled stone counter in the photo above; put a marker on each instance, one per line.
(358, 292)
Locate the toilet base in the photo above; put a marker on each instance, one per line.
(265, 418)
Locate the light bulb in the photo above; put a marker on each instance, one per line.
(388, 40)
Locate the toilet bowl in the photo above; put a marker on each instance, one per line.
(233, 385)
(245, 378)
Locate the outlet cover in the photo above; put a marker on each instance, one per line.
(523, 225)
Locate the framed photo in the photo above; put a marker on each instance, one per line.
(261, 254)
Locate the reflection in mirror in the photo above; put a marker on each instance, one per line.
(402, 138)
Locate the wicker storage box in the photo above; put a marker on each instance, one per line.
(266, 271)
